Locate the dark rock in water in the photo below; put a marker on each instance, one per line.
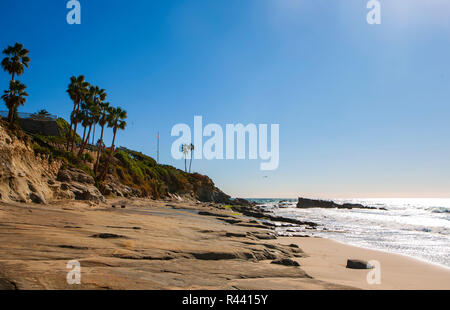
(358, 264)
(285, 262)
(292, 245)
(260, 214)
(241, 202)
(306, 203)
(354, 205)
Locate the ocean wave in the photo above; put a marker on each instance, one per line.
(439, 210)
(416, 227)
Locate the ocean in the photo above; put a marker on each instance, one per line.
(417, 227)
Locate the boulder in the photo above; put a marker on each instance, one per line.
(77, 184)
(358, 264)
(74, 175)
(86, 192)
(114, 188)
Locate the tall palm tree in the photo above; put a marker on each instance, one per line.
(99, 96)
(191, 149)
(16, 60)
(14, 97)
(77, 91)
(185, 150)
(91, 112)
(103, 120)
(83, 119)
(116, 121)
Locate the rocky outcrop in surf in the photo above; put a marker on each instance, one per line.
(305, 203)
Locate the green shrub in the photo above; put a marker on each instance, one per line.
(87, 157)
(64, 131)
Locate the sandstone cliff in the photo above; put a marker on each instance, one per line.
(34, 170)
(28, 177)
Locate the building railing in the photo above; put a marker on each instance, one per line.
(33, 116)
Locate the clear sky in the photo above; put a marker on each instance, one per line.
(364, 110)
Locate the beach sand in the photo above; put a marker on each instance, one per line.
(327, 262)
(179, 245)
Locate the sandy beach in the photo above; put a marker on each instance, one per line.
(327, 260)
(146, 244)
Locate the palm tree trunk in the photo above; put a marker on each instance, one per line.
(75, 126)
(105, 171)
(84, 134)
(185, 166)
(93, 136)
(190, 163)
(98, 150)
(83, 145)
(70, 130)
(11, 111)
(10, 114)
(11, 117)
(69, 136)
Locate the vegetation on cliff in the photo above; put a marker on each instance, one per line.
(150, 179)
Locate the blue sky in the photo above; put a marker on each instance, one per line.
(363, 109)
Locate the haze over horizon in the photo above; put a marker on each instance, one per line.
(364, 110)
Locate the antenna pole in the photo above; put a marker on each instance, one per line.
(157, 148)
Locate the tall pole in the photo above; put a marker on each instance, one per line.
(157, 148)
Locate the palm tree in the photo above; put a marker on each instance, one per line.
(16, 60)
(14, 97)
(185, 150)
(116, 120)
(99, 96)
(43, 112)
(83, 118)
(77, 91)
(103, 120)
(191, 149)
(91, 114)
